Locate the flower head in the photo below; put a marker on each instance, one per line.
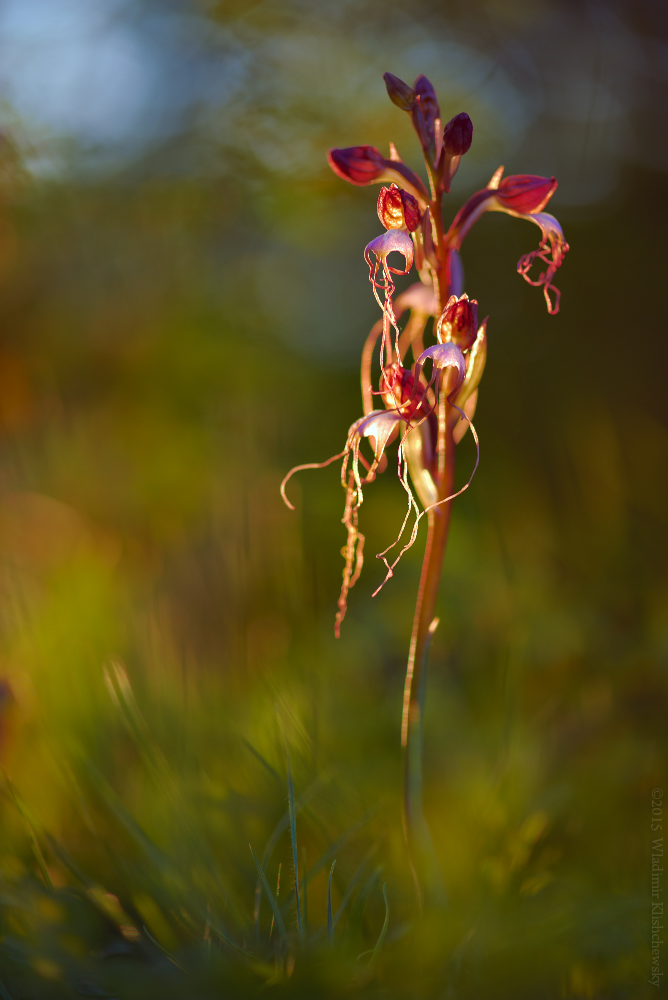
(399, 92)
(524, 196)
(525, 193)
(426, 115)
(459, 322)
(458, 135)
(398, 209)
(402, 392)
(362, 165)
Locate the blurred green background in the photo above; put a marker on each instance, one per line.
(183, 302)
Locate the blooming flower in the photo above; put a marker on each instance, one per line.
(524, 196)
(459, 322)
(398, 209)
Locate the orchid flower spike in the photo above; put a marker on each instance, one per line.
(427, 416)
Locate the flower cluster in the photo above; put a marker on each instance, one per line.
(429, 405)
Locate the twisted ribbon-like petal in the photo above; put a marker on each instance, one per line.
(394, 240)
(524, 196)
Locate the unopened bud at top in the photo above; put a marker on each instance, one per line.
(399, 92)
(397, 208)
(525, 193)
(458, 135)
(426, 95)
(459, 322)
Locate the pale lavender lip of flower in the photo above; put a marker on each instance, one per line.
(394, 240)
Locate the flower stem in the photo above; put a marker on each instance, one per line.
(424, 625)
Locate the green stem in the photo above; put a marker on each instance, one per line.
(437, 537)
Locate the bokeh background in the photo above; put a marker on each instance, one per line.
(183, 302)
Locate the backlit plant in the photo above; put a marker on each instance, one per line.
(428, 406)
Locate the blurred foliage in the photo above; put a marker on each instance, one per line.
(181, 319)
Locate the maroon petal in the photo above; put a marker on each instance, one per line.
(526, 193)
(357, 164)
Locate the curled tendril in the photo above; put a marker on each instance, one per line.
(443, 356)
(378, 426)
(394, 240)
(552, 250)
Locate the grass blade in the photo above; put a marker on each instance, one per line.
(357, 908)
(270, 896)
(339, 844)
(351, 885)
(304, 892)
(386, 924)
(37, 850)
(228, 940)
(276, 834)
(330, 925)
(293, 838)
(4, 992)
(278, 889)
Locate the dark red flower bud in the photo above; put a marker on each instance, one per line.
(526, 193)
(399, 92)
(458, 135)
(400, 392)
(459, 322)
(357, 164)
(398, 208)
(420, 125)
(363, 165)
(426, 95)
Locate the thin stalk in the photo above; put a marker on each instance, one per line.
(442, 254)
(424, 624)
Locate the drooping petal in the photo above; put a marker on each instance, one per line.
(551, 251)
(393, 240)
(518, 194)
(529, 193)
(444, 356)
(379, 425)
